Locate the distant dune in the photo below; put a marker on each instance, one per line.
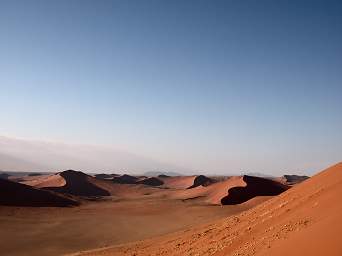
(16, 194)
(179, 182)
(105, 176)
(76, 183)
(255, 186)
(232, 190)
(153, 181)
(201, 180)
(125, 179)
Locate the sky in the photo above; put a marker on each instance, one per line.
(214, 86)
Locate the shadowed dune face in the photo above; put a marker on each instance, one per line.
(104, 176)
(125, 179)
(79, 184)
(16, 194)
(201, 180)
(233, 190)
(255, 186)
(153, 181)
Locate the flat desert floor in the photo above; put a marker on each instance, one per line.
(62, 230)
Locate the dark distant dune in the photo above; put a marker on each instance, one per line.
(255, 186)
(125, 179)
(153, 181)
(201, 180)
(79, 184)
(17, 194)
(103, 176)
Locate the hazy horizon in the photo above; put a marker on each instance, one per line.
(29, 155)
(185, 86)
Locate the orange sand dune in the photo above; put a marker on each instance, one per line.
(211, 194)
(224, 192)
(255, 186)
(16, 194)
(305, 220)
(80, 184)
(185, 182)
(41, 181)
(201, 180)
(178, 182)
(75, 183)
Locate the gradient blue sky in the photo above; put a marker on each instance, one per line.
(208, 85)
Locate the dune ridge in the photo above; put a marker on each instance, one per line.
(78, 184)
(255, 186)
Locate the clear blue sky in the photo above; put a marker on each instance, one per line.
(209, 85)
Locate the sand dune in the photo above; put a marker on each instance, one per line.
(255, 186)
(185, 182)
(80, 184)
(16, 194)
(234, 190)
(201, 180)
(305, 220)
(153, 181)
(211, 194)
(75, 183)
(44, 181)
(125, 179)
(178, 182)
(105, 176)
